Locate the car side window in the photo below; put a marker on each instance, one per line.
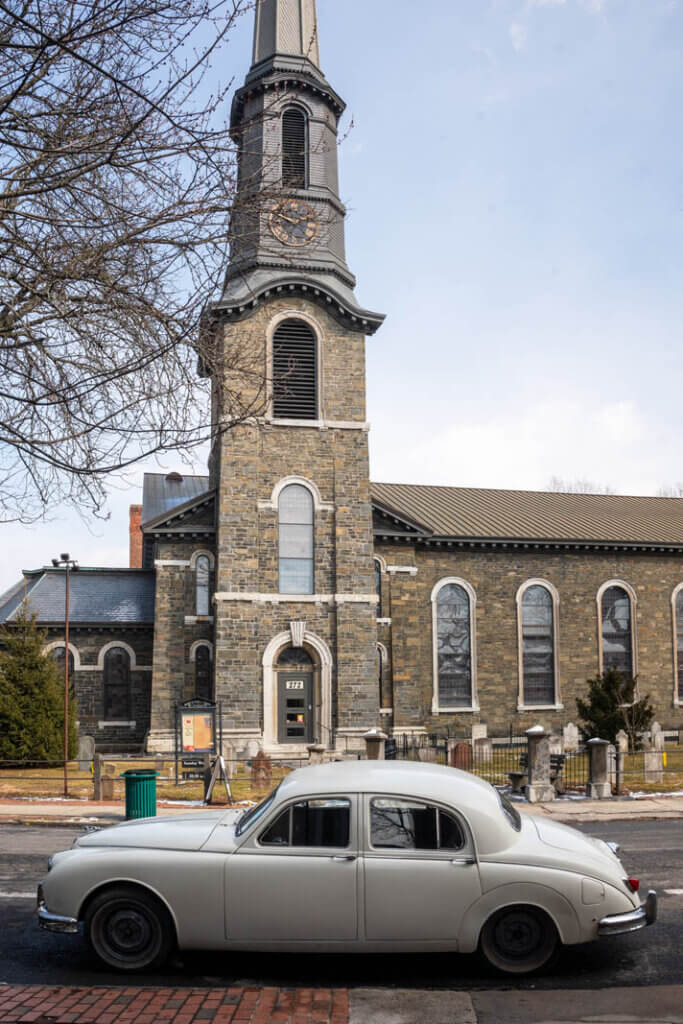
(397, 824)
(313, 823)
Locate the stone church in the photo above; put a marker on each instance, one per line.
(309, 602)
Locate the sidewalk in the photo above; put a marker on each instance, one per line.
(40, 1004)
(87, 812)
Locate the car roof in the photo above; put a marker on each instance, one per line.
(476, 799)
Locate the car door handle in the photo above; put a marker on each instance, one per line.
(343, 860)
(463, 860)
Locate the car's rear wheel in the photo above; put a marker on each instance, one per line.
(519, 940)
(129, 929)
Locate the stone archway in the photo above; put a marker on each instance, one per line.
(320, 652)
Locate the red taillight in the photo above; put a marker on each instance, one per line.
(633, 884)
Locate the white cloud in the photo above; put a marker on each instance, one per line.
(524, 449)
(547, 3)
(518, 34)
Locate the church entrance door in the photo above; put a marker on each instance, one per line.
(295, 707)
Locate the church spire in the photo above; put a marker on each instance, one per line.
(287, 27)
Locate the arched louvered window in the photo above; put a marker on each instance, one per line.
(202, 673)
(117, 695)
(294, 148)
(296, 540)
(295, 372)
(617, 631)
(679, 643)
(454, 647)
(201, 576)
(537, 612)
(378, 587)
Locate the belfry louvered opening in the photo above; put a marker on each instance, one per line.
(295, 372)
(294, 148)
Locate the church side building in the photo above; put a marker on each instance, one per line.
(308, 602)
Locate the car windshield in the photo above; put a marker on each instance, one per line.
(510, 812)
(254, 814)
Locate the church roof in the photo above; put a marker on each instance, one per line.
(96, 597)
(162, 492)
(467, 513)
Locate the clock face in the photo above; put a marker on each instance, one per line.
(294, 222)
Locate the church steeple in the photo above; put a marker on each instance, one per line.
(286, 27)
(287, 229)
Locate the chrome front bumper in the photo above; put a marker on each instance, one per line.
(633, 921)
(54, 922)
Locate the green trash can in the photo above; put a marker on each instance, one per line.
(141, 793)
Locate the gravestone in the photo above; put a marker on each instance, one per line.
(86, 752)
(479, 732)
(483, 751)
(570, 735)
(653, 766)
(556, 743)
(622, 742)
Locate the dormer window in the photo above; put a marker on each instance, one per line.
(295, 372)
(294, 148)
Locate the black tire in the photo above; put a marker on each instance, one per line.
(129, 929)
(519, 940)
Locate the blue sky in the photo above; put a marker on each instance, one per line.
(514, 178)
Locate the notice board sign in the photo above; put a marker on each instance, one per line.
(198, 731)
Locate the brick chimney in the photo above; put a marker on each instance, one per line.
(135, 536)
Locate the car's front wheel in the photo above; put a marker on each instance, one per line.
(129, 929)
(519, 940)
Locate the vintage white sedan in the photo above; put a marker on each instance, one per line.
(364, 856)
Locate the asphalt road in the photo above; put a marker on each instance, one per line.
(652, 851)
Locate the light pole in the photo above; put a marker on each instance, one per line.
(69, 564)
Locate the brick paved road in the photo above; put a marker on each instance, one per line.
(45, 1004)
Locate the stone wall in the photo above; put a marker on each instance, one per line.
(88, 681)
(496, 577)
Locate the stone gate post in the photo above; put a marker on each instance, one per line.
(539, 788)
(599, 787)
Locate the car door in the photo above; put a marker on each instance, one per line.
(419, 871)
(295, 878)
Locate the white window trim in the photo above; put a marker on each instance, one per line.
(382, 562)
(295, 314)
(196, 645)
(384, 653)
(634, 621)
(273, 503)
(117, 643)
(552, 590)
(469, 589)
(677, 701)
(74, 651)
(198, 554)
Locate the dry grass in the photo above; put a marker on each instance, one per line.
(46, 783)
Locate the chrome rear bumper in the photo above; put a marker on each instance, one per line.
(54, 922)
(633, 921)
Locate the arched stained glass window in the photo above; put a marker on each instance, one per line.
(202, 673)
(538, 646)
(378, 587)
(296, 540)
(454, 647)
(294, 148)
(202, 571)
(617, 631)
(117, 695)
(295, 371)
(679, 641)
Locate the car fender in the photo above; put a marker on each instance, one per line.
(534, 894)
